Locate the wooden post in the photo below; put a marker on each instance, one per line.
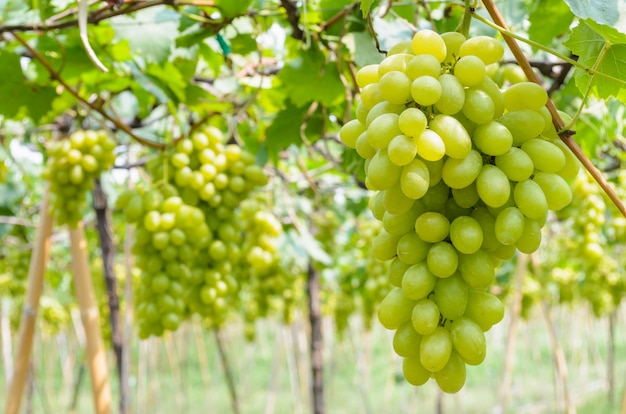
(96, 358)
(38, 261)
(316, 344)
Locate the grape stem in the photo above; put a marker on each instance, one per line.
(467, 18)
(91, 105)
(565, 135)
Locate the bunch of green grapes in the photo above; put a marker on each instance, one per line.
(209, 173)
(169, 235)
(72, 166)
(215, 177)
(267, 286)
(464, 176)
(591, 243)
(14, 264)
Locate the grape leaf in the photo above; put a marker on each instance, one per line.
(23, 98)
(307, 79)
(285, 129)
(362, 48)
(611, 14)
(366, 5)
(588, 44)
(549, 20)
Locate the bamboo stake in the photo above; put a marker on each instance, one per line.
(38, 261)
(610, 363)
(560, 363)
(96, 357)
(228, 372)
(5, 337)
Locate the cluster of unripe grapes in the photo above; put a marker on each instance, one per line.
(191, 243)
(169, 234)
(267, 288)
(72, 166)
(464, 176)
(14, 264)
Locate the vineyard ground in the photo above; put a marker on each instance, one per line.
(183, 373)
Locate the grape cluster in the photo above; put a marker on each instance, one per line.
(464, 176)
(266, 285)
(72, 166)
(169, 235)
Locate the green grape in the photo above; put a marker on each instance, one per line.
(493, 138)
(395, 309)
(395, 201)
(478, 106)
(469, 70)
(452, 95)
(515, 164)
(405, 47)
(468, 340)
(414, 371)
(466, 197)
(531, 200)
(363, 147)
(460, 173)
(453, 41)
(371, 95)
(483, 308)
(509, 225)
(430, 43)
(402, 150)
(396, 271)
(423, 65)
(380, 108)
(393, 63)
(477, 269)
(524, 124)
(436, 197)
(406, 341)
(426, 90)
(451, 377)
(350, 131)
(430, 146)
(557, 192)
(425, 317)
(442, 259)
(455, 137)
(414, 179)
(412, 122)
(488, 49)
(435, 349)
(434, 173)
(418, 281)
(367, 75)
(531, 237)
(572, 165)
(525, 95)
(412, 249)
(381, 130)
(401, 223)
(396, 87)
(450, 295)
(383, 173)
(493, 186)
(466, 234)
(432, 227)
(385, 246)
(493, 90)
(546, 156)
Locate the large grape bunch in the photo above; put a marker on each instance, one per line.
(72, 166)
(464, 175)
(169, 235)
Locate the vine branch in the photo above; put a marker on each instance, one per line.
(55, 75)
(565, 135)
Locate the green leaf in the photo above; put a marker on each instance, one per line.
(21, 98)
(169, 79)
(150, 33)
(588, 44)
(285, 129)
(366, 5)
(231, 9)
(243, 44)
(362, 48)
(307, 78)
(610, 13)
(549, 20)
